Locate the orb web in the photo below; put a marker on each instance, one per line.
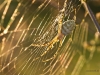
(24, 23)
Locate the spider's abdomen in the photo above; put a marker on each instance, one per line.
(68, 27)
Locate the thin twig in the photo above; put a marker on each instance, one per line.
(88, 9)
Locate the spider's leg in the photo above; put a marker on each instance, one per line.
(55, 40)
(50, 45)
(52, 56)
(41, 45)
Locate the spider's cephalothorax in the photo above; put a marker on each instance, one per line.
(67, 27)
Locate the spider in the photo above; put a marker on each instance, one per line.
(64, 28)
